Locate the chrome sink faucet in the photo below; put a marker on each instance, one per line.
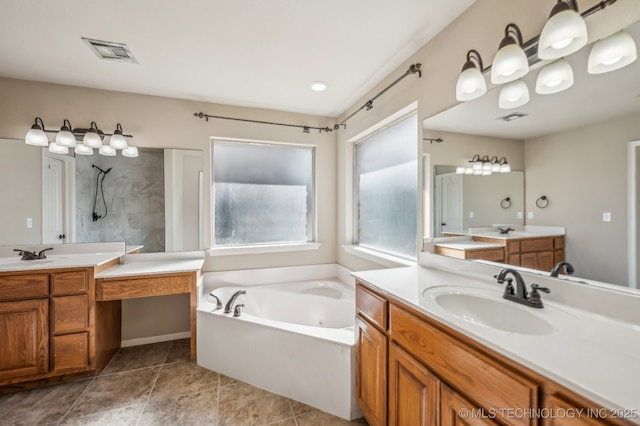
(31, 255)
(229, 306)
(568, 268)
(519, 294)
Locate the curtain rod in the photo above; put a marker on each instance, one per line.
(305, 129)
(413, 69)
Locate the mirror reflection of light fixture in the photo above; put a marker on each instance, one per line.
(36, 136)
(64, 136)
(564, 33)
(513, 95)
(611, 53)
(130, 151)
(67, 137)
(471, 84)
(554, 77)
(510, 63)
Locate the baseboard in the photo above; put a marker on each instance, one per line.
(155, 339)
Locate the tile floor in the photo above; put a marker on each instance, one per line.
(156, 384)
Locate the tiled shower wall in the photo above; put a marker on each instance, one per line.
(134, 194)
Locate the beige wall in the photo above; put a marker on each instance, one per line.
(481, 27)
(583, 172)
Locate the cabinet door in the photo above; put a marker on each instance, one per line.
(567, 414)
(413, 391)
(24, 338)
(455, 410)
(371, 373)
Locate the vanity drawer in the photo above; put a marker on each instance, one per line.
(71, 351)
(70, 313)
(143, 286)
(372, 306)
(24, 286)
(542, 244)
(70, 282)
(467, 370)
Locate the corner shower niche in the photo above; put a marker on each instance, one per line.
(133, 207)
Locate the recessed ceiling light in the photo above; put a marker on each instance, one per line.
(318, 86)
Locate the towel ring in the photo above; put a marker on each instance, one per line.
(542, 202)
(505, 203)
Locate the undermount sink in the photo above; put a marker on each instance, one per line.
(11, 262)
(487, 308)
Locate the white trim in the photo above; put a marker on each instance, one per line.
(155, 339)
(383, 259)
(264, 248)
(632, 213)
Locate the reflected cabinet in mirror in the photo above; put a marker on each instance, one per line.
(578, 148)
(153, 201)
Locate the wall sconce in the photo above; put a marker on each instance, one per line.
(554, 78)
(67, 137)
(611, 53)
(513, 95)
(484, 166)
(510, 63)
(564, 33)
(471, 84)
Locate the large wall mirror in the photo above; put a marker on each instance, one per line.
(575, 148)
(154, 201)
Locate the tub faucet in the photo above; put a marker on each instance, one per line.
(520, 293)
(217, 299)
(568, 268)
(229, 306)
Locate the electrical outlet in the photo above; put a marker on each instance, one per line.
(530, 215)
(29, 222)
(519, 215)
(470, 215)
(606, 217)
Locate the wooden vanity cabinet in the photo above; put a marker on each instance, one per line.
(435, 376)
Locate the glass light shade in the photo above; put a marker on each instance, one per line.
(92, 140)
(486, 166)
(612, 53)
(130, 151)
(65, 138)
(505, 168)
(468, 171)
(471, 85)
(510, 64)
(477, 165)
(82, 149)
(495, 167)
(477, 172)
(486, 173)
(118, 142)
(513, 95)
(564, 33)
(460, 170)
(554, 78)
(36, 137)
(107, 151)
(57, 149)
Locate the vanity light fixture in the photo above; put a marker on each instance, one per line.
(513, 95)
(471, 84)
(484, 166)
(554, 78)
(510, 63)
(64, 136)
(611, 53)
(564, 33)
(36, 136)
(130, 151)
(68, 137)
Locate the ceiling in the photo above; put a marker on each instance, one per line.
(237, 52)
(591, 99)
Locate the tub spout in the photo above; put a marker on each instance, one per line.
(229, 306)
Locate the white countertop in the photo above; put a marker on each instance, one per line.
(470, 245)
(597, 356)
(155, 263)
(527, 231)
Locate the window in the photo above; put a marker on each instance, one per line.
(263, 193)
(386, 183)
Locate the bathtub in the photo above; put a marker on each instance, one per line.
(295, 336)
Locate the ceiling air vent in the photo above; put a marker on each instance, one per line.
(110, 51)
(513, 116)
